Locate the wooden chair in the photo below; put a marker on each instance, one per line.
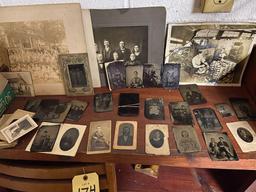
(57, 177)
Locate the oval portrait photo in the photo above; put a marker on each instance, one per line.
(245, 135)
(156, 138)
(69, 139)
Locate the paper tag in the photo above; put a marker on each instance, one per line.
(86, 183)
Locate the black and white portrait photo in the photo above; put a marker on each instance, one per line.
(191, 94)
(68, 139)
(77, 109)
(157, 139)
(244, 135)
(186, 139)
(220, 147)
(207, 119)
(134, 76)
(151, 75)
(154, 108)
(171, 76)
(103, 102)
(225, 110)
(180, 113)
(243, 108)
(127, 44)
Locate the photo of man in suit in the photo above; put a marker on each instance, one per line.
(125, 137)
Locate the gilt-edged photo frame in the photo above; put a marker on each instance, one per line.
(76, 74)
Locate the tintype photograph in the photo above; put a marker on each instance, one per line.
(76, 74)
(243, 109)
(18, 128)
(45, 138)
(116, 75)
(192, 94)
(210, 53)
(99, 139)
(32, 105)
(125, 135)
(52, 110)
(129, 104)
(244, 134)
(151, 75)
(207, 120)
(157, 142)
(21, 83)
(186, 139)
(76, 110)
(180, 113)
(219, 147)
(134, 76)
(224, 109)
(154, 108)
(171, 75)
(35, 35)
(103, 102)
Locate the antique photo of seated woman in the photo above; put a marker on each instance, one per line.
(125, 137)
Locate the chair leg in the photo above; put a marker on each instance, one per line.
(111, 177)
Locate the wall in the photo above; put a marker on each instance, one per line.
(177, 10)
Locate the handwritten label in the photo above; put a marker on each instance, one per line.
(86, 183)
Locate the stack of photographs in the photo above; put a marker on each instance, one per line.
(154, 108)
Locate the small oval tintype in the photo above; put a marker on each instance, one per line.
(69, 139)
(156, 138)
(245, 135)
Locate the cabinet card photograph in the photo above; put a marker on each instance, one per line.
(45, 138)
(186, 139)
(192, 94)
(220, 147)
(134, 76)
(224, 109)
(52, 110)
(157, 139)
(207, 120)
(171, 76)
(76, 110)
(21, 83)
(35, 35)
(210, 53)
(151, 75)
(244, 134)
(18, 128)
(243, 109)
(180, 113)
(125, 135)
(129, 35)
(154, 108)
(99, 139)
(76, 74)
(116, 75)
(103, 102)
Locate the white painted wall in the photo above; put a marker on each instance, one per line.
(178, 11)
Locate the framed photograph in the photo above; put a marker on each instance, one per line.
(157, 139)
(99, 139)
(53, 29)
(134, 76)
(76, 74)
(154, 108)
(210, 53)
(125, 135)
(116, 75)
(207, 120)
(224, 109)
(180, 113)
(244, 134)
(76, 110)
(52, 110)
(103, 102)
(21, 83)
(45, 138)
(192, 94)
(18, 128)
(151, 75)
(219, 147)
(130, 35)
(171, 76)
(129, 104)
(186, 139)
(243, 108)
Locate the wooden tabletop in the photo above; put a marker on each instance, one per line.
(247, 161)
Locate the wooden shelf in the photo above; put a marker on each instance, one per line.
(247, 161)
